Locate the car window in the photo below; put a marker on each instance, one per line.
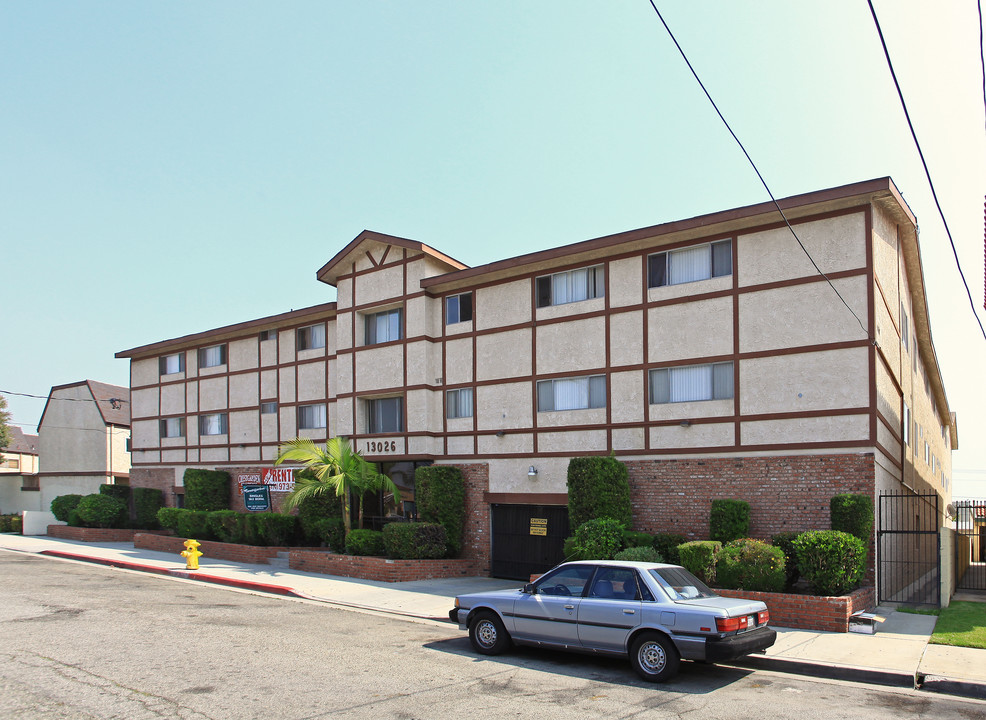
(615, 584)
(680, 584)
(568, 580)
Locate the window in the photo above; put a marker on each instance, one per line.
(12, 463)
(927, 454)
(268, 408)
(170, 364)
(311, 417)
(311, 337)
(212, 356)
(172, 427)
(458, 308)
(572, 393)
(213, 424)
(907, 425)
(914, 355)
(266, 335)
(383, 327)
(691, 382)
(905, 331)
(690, 264)
(458, 403)
(571, 286)
(385, 415)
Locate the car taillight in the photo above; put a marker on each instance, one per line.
(763, 617)
(732, 624)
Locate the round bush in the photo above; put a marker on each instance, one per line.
(750, 565)
(102, 511)
(729, 520)
(667, 544)
(599, 539)
(639, 554)
(831, 561)
(332, 532)
(598, 487)
(853, 514)
(635, 538)
(785, 541)
(62, 505)
(411, 541)
(365, 542)
(699, 558)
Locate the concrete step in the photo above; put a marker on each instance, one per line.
(281, 561)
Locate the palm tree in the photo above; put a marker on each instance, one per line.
(337, 468)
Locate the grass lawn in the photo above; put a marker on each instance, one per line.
(962, 624)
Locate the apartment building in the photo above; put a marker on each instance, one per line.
(709, 354)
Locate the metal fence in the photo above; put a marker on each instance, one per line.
(909, 549)
(970, 545)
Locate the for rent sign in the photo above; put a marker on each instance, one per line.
(276, 479)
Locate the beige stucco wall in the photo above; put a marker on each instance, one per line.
(509, 475)
(379, 368)
(243, 354)
(213, 394)
(503, 355)
(504, 406)
(72, 435)
(628, 396)
(666, 437)
(690, 330)
(626, 339)
(503, 304)
(573, 346)
(844, 428)
(626, 278)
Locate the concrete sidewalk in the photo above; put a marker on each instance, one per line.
(897, 655)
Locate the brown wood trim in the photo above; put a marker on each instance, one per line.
(886, 304)
(871, 318)
(887, 423)
(525, 498)
(890, 458)
(890, 372)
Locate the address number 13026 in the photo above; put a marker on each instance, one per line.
(381, 446)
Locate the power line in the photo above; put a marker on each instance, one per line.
(982, 60)
(112, 401)
(756, 170)
(927, 173)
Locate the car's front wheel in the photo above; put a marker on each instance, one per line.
(654, 657)
(487, 634)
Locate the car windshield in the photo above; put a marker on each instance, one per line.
(680, 584)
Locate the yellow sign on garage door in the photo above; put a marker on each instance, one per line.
(539, 526)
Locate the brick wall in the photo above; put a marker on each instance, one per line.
(84, 534)
(161, 478)
(476, 540)
(809, 612)
(378, 568)
(252, 554)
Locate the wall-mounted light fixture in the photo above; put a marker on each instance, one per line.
(685, 423)
(500, 433)
(532, 472)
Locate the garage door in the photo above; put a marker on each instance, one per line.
(527, 539)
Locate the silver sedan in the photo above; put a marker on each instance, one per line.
(653, 613)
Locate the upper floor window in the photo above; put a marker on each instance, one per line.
(170, 364)
(383, 327)
(268, 408)
(691, 383)
(172, 427)
(385, 415)
(311, 337)
(212, 356)
(458, 308)
(458, 403)
(213, 424)
(905, 332)
(690, 264)
(907, 425)
(311, 417)
(266, 335)
(571, 286)
(578, 393)
(11, 463)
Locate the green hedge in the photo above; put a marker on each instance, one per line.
(228, 526)
(314, 509)
(273, 529)
(147, 501)
(193, 524)
(206, 489)
(853, 514)
(635, 538)
(831, 561)
(785, 541)
(120, 492)
(699, 558)
(101, 511)
(440, 494)
(749, 564)
(63, 505)
(410, 541)
(598, 487)
(599, 539)
(167, 518)
(729, 520)
(365, 542)
(10, 523)
(639, 553)
(666, 545)
(332, 532)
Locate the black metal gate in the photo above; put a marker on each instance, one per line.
(970, 545)
(527, 539)
(909, 549)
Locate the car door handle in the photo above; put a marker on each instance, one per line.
(628, 611)
(569, 607)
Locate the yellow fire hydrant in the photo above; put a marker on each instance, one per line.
(191, 554)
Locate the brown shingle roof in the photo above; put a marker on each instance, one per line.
(21, 442)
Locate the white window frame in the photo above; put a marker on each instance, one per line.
(571, 286)
(707, 261)
(905, 329)
(907, 425)
(459, 403)
(266, 335)
(206, 424)
(268, 408)
(455, 308)
(378, 425)
(311, 337)
(691, 383)
(583, 392)
(172, 427)
(312, 417)
(212, 356)
(394, 325)
(171, 364)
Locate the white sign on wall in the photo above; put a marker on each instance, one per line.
(278, 479)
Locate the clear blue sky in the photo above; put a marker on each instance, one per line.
(167, 168)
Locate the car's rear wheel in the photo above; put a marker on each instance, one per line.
(654, 657)
(487, 634)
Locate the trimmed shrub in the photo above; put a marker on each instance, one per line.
(167, 518)
(10, 523)
(314, 509)
(750, 565)
(62, 505)
(193, 524)
(101, 511)
(599, 539)
(598, 487)
(147, 501)
(785, 541)
(570, 550)
(699, 558)
(332, 532)
(639, 553)
(120, 492)
(853, 514)
(440, 494)
(831, 561)
(274, 528)
(227, 526)
(206, 489)
(666, 545)
(634, 538)
(729, 520)
(411, 541)
(365, 542)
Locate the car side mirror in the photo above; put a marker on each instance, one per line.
(530, 589)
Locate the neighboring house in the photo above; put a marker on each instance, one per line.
(84, 437)
(708, 354)
(18, 471)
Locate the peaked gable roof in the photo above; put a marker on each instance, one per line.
(335, 267)
(21, 442)
(112, 401)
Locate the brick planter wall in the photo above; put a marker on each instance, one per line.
(809, 612)
(378, 568)
(476, 540)
(84, 534)
(252, 554)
